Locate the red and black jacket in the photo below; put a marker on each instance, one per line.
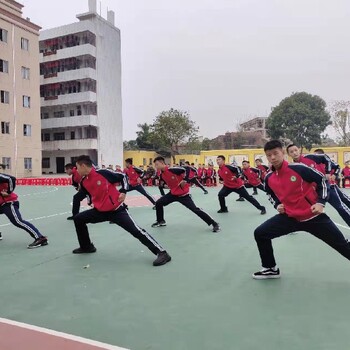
(263, 171)
(76, 178)
(346, 172)
(7, 184)
(231, 176)
(252, 176)
(100, 188)
(297, 187)
(173, 177)
(192, 171)
(322, 163)
(134, 174)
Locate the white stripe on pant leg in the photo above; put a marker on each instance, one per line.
(145, 233)
(346, 197)
(343, 204)
(22, 224)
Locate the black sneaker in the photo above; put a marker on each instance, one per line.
(206, 192)
(223, 211)
(162, 259)
(70, 218)
(263, 211)
(255, 193)
(0, 236)
(159, 224)
(240, 199)
(80, 250)
(265, 274)
(39, 242)
(154, 207)
(216, 227)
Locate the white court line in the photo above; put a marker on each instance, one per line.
(41, 218)
(343, 226)
(61, 335)
(35, 193)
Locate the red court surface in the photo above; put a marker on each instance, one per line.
(20, 336)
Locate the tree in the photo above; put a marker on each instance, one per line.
(206, 144)
(171, 129)
(130, 145)
(301, 118)
(340, 113)
(144, 136)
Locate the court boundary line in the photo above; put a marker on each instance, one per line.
(343, 226)
(61, 335)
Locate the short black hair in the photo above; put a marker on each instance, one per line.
(319, 151)
(221, 156)
(187, 162)
(246, 161)
(128, 160)
(159, 159)
(258, 160)
(291, 145)
(272, 145)
(83, 159)
(192, 163)
(69, 166)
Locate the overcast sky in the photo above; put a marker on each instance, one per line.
(221, 60)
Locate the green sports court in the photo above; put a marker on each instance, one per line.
(205, 299)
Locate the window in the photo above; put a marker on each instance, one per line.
(71, 112)
(6, 161)
(25, 73)
(45, 163)
(3, 35)
(27, 130)
(72, 135)
(5, 127)
(4, 96)
(26, 101)
(58, 136)
(78, 110)
(4, 66)
(47, 137)
(44, 115)
(59, 114)
(24, 44)
(28, 163)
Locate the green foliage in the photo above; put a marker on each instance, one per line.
(171, 129)
(340, 112)
(144, 137)
(301, 118)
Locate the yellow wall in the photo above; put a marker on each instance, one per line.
(339, 154)
(143, 158)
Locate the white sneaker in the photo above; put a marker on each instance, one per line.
(265, 274)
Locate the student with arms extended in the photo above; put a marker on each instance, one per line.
(299, 194)
(108, 205)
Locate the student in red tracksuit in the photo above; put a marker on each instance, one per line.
(230, 175)
(193, 176)
(209, 176)
(177, 180)
(345, 173)
(252, 177)
(200, 172)
(321, 162)
(299, 194)
(71, 170)
(263, 168)
(108, 205)
(9, 206)
(135, 176)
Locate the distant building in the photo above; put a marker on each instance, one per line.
(20, 146)
(81, 106)
(257, 124)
